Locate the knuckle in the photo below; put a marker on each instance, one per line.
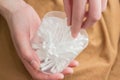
(76, 19)
(96, 17)
(103, 9)
(26, 57)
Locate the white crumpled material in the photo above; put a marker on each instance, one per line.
(54, 44)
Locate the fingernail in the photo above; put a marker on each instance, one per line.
(71, 71)
(74, 35)
(77, 63)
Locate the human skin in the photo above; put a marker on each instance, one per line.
(76, 13)
(23, 22)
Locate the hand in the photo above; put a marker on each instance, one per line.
(79, 17)
(23, 24)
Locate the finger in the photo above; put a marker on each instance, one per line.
(36, 58)
(25, 50)
(104, 4)
(94, 13)
(78, 12)
(38, 75)
(67, 71)
(68, 10)
(56, 76)
(74, 63)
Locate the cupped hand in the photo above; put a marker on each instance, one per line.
(23, 24)
(83, 13)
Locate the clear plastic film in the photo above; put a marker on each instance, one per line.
(54, 44)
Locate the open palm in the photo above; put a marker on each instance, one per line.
(23, 24)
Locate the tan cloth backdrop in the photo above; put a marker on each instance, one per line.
(99, 61)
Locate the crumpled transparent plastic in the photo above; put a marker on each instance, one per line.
(54, 44)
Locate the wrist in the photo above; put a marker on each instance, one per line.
(9, 7)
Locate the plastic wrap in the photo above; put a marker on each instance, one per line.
(54, 44)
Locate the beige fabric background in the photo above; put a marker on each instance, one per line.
(99, 61)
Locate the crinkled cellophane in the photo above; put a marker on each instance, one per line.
(54, 44)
